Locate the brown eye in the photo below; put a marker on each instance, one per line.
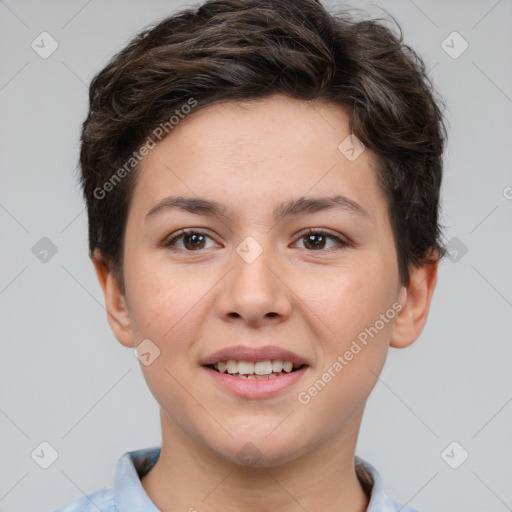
(316, 240)
(191, 241)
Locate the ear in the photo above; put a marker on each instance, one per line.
(415, 299)
(115, 302)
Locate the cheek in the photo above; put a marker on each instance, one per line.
(348, 301)
(164, 309)
(160, 300)
(354, 355)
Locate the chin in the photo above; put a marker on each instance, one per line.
(260, 452)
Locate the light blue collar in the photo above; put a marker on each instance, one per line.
(130, 496)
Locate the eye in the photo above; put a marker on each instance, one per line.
(316, 238)
(193, 240)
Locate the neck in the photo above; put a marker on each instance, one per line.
(189, 476)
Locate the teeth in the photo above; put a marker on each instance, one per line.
(231, 366)
(260, 369)
(245, 367)
(287, 366)
(277, 366)
(252, 377)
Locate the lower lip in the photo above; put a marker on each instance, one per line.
(256, 388)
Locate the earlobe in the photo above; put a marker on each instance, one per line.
(115, 302)
(415, 299)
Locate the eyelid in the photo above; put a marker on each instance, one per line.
(342, 241)
(320, 231)
(182, 232)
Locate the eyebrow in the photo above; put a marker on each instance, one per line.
(302, 205)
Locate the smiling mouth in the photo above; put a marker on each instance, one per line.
(259, 371)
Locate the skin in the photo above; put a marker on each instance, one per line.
(314, 301)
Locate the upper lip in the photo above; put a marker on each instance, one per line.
(245, 353)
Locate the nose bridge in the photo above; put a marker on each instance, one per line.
(253, 289)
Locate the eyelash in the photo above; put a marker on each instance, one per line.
(312, 231)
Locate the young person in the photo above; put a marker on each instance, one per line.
(262, 180)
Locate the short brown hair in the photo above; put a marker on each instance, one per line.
(225, 50)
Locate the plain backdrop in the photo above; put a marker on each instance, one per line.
(64, 378)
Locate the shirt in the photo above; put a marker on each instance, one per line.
(128, 495)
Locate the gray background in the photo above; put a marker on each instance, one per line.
(65, 379)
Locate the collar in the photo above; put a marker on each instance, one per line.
(130, 496)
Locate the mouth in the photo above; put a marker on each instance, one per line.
(259, 370)
(250, 372)
(255, 380)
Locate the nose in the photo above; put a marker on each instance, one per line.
(255, 292)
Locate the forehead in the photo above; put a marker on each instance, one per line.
(240, 133)
(246, 154)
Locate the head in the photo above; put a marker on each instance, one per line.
(250, 104)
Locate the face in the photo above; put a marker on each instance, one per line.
(244, 276)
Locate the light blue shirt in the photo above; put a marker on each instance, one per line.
(128, 495)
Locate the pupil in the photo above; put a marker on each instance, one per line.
(196, 238)
(310, 238)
